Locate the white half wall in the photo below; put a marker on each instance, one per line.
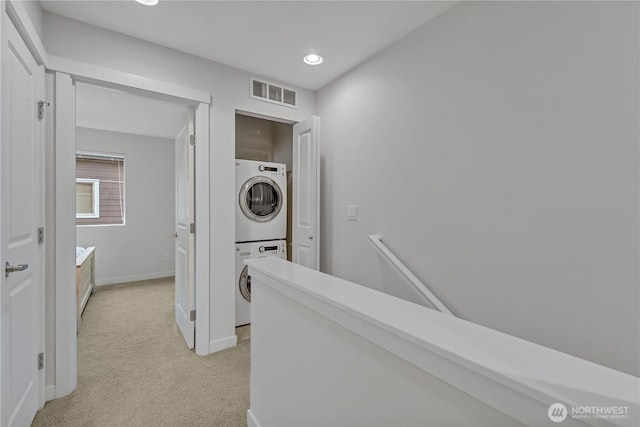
(495, 149)
(136, 250)
(327, 352)
(229, 87)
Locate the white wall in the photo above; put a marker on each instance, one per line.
(135, 251)
(230, 90)
(254, 138)
(495, 149)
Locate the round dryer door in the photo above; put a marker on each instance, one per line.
(260, 199)
(245, 284)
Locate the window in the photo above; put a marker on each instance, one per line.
(99, 189)
(87, 198)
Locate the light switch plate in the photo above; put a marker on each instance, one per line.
(352, 213)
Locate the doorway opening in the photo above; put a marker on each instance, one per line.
(268, 140)
(277, 183)
(125, 187)
(61, 299)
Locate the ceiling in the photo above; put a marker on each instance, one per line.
(117, 111)
(263, 37)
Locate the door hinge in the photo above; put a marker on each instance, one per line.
(192, 139)
(41, 105)
(192, 315)
(40, 235)
(192, 228)
(40, 361)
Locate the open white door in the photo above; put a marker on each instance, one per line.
(306, 193)
(184, 234)
(20, 286)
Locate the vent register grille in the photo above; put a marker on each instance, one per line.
(266, 91)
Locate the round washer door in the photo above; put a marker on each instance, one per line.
(245, 284)
(260, 199)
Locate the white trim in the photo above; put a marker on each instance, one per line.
(202, 234)
(418, 287)
(20, 18)
(65, 235)
(99, 155)
(252, 421)
(49, 392)
(317, 130)
(42, 249)
(134, 278)
(94, 74)
(104, 225)
(222, 343)
(265, 117)
(49, 241)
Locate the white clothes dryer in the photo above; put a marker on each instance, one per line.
(261, 204)
(249, 250)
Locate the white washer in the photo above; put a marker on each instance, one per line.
(243, 280)
(261, 204)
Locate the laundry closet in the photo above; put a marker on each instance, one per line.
(264, 157)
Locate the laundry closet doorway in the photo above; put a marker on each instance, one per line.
(267, 140)
(297, 146)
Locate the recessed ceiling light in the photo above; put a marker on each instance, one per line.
(313, 59)
(148, 2)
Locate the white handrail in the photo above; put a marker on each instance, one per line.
(423, 292)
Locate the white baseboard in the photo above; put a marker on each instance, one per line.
(134, 278)
(252, 421)
(223, 344)
(49, 393)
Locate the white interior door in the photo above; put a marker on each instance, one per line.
(184, 234)
(306, 193)
(20, 286)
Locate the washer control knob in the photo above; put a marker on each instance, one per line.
(261, 168)
(261, 249)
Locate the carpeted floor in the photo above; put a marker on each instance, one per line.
(134, 368)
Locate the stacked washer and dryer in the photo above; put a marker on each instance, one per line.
(261, 223)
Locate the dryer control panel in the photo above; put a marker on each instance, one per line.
(272, 169)
(272, 249)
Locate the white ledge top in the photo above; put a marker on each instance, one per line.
(495, 354)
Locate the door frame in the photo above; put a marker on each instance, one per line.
(66, 73)
(315, 120)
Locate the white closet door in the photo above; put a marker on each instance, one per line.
(185, 238)
(306, 193)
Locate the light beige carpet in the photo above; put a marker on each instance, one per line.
(134, 368)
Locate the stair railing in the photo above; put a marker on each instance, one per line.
(420, 289)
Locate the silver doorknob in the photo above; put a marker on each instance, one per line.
(310, 237)
(8, 269)
(174, 235)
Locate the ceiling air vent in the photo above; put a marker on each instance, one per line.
(266, 91)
